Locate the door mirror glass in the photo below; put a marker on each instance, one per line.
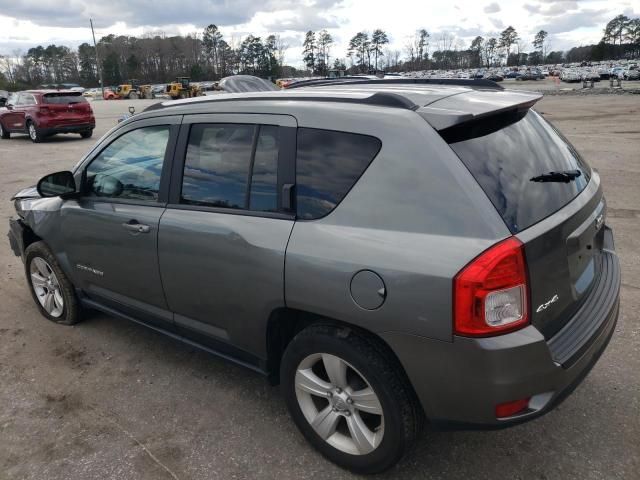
(56, 184)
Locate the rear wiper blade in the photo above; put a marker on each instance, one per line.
(565, 176)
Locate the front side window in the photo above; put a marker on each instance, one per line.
(231, 166)
(130, 167)
(328, 164)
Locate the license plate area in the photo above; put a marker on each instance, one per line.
(583, 246)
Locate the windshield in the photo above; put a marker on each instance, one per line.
(505, 157)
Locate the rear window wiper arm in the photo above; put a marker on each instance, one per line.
(565, 176)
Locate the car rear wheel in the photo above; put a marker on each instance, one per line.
(350, 398)
(34, 133)
(86, 134)
(133, 96)
(52, 292)
(4, 133)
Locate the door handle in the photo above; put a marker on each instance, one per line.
(135, 227)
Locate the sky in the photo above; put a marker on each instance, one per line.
(28, 23)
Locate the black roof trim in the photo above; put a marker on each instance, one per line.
(462, 82)
(379, 99)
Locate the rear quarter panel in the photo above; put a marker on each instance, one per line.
(415, 217)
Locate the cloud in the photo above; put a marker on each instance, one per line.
(571, 21)
(496, 22)
(76, 13)
(310, 18)
(532, 8)
(492, 8)
(559, 8)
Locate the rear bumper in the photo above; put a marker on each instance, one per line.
(81, 127)
(460, 383)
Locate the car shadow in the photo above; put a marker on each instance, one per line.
(516, 452)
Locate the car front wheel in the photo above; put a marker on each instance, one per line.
(50, 288)
(4, 133)
(350, 398)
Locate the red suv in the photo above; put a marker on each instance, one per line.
(41, 113)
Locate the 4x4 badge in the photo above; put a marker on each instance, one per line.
(545, 305)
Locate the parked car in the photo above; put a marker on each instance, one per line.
(42, 113)
(316, 243)
(632, 74)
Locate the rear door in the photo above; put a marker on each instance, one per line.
(559, 219)
(66, 108)
(223, 237)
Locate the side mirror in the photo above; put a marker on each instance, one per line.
(56, 184)
(9, 106)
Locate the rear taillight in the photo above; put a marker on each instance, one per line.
(490, 293)
(44, 110)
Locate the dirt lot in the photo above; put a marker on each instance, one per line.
(107, 399)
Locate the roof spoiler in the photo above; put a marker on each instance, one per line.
(355, 80)
(474, 105)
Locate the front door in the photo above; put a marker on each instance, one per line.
(223, 237)
(111, 232)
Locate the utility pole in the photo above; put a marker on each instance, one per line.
(97, 58)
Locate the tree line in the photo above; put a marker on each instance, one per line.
(208, 55)
(152, 58)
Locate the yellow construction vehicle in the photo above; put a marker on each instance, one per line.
(133, 90)
(183, 88)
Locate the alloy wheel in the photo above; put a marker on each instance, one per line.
(46, 285)
(339, 404)
(32, 131)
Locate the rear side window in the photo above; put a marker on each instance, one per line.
(328, 165)
(232, 166)
(506, 154)
(64, 99)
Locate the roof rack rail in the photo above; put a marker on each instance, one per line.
(379, 99)
(473, 83)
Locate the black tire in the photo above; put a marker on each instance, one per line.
(71, 309)
(4, 133)
(34, 132)
(133, 96)
(86, 134)
(403, 416)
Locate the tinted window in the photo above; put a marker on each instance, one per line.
(328, 165)
(504, 158)
(63, 98)
(217, 165)
(264, 181)
(130, 167)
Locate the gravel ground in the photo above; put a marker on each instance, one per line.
(108, 399)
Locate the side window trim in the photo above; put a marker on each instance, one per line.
(254, 144)
(163, 193)
(286, 160)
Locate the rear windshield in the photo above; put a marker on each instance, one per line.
(506, 153)
(64, 98)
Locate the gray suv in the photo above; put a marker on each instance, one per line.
(389, 251)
